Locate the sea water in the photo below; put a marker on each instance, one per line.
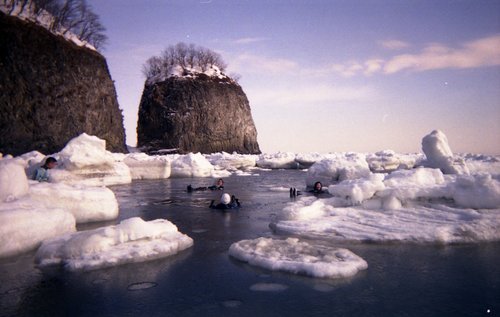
(401, 279)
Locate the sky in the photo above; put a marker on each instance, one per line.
(330, 76)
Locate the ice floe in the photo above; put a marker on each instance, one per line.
(294, 256)
(133, 240)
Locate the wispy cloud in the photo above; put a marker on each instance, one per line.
(250, 40)
(394, 44)
(478, 53)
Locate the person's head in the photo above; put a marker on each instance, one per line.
(220, 182)
(225, 198)
(50, 162)
(318, 186)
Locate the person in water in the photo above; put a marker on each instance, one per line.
(42, 173)
(226, 202)
(317, 189)
(219, 185)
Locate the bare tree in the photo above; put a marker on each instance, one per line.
(185, 56)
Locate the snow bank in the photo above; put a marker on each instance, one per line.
(143, 166)
(24, 224)
(333, 170)
(284, 160)
(297, 257)
(191, 165)
(133, 240)
(84, 160)
(13, 180)
(87, 204)
(439, 155)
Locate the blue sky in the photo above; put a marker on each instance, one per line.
(325, 76)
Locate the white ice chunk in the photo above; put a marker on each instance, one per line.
(191, 165)
(285, 160)
(85, 151)
(305, 160)
(13, 180)
(416, 183)
(333, 170)
(24, 224)
(143, 166)
(84, 160)
(87, 204)
(233, 161)
(429, 223)
(294, 256)
(388, 160)
(133, 240)
(358, 190)
(477, 191)
(439, 155)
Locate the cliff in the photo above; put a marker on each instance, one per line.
(52, 90)
(197, 113)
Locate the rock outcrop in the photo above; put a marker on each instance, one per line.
(196, 113)
(52, 90)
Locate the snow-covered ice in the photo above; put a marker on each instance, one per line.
(333, 170)
(191, 165)
(439, 155)
(294, 256)
(143, 166)
(24, 224)
(13, 181)
(87, 204)
(84, 160)
(280, 160)
(233, 161)
(133, 240)
(419, 205)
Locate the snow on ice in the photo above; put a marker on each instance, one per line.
(294, 256)
(87, 204)
(143, 166)
(24, 224)
(84, 160)
(133, 240)
(191, 165)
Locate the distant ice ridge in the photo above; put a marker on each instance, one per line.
(133, 240)
(294, 256)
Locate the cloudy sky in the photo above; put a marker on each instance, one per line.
(327, 76)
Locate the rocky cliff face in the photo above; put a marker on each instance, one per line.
(204, 114)
(52, 90)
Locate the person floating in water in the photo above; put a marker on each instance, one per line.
(219, 185)
(42, 173)
(317, 189)
(226, 202)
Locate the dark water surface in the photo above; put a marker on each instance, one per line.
(401, 279)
